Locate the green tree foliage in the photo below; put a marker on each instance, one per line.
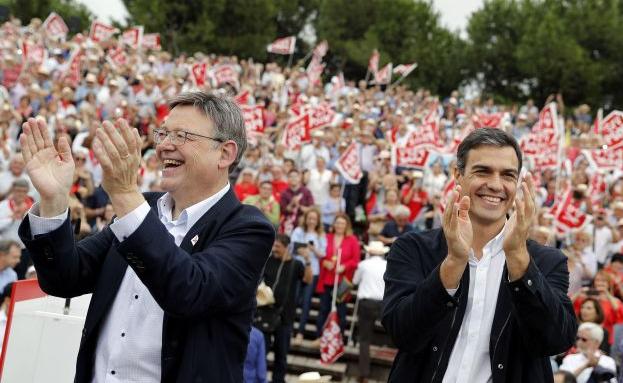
(26, 10)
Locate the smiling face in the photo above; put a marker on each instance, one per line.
(190, 171)
(490, 181)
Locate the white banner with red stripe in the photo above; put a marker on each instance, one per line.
(54, 26)
(117, 57)
(349, 164)
(282, 46)
(132, 37)
(151, 41)
(384, 75)
(34, 53)
(224, 74)
(100, 31)
(331, 342)
(198, 73)
(296, 132)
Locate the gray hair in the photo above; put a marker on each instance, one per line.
(5, 245)
(597, 333)
(485, 136)
(402, 211)
(224, 113)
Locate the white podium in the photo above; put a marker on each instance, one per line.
(41, 341)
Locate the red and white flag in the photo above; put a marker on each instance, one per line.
(331, 342)
(198, 72)
(282, 46)
(101, 31)
(224, 74)
(151, 41)
(605, 159)
(410, 156)
(384, 75)
(349, 164)
(10, 75)
(567, 215)
(321, 115)
(314, 70)
(297, 132)
(612, 129)
(34, 53)
(54, 26)
(242, 98)
(73, 75)
(482, 120)
(404, 69)
(132, 37)
(117, 57)
(321, 49)
(598, 120)
(253, 121)
(373, 62)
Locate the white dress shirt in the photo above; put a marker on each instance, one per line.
(369, 277)
(572, 362)
(130, 342)
(470, 361)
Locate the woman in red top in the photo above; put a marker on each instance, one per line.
(246, 185)
(341, 238)
(611, 305)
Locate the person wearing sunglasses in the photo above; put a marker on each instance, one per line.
(590, 362)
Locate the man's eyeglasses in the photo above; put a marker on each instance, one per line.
(178, 137)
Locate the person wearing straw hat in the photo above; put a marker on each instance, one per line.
(369, 278)
(313, 377)
(476, 301)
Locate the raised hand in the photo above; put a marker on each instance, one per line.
(118, 149)
(51, 170)
(457, 226)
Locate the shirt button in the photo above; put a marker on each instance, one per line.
(113, 372)
(529, 282)
(500, 366)
(435, 348)
(516, 288)
(122, 334)
(135, 296)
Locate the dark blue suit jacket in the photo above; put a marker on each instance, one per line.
(207, 291)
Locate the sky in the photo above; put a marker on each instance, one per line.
(454, 13)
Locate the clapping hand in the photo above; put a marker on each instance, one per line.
(517, 230)
(51, 170)
(457, 226)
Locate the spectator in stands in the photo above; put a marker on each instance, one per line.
(604, 236)
(246, 185)
(396, 226)
(340, 241)
(591, 311)
(413, 195)
(10, 253)
(266, 202)
(318, 180)
(333, 205)
(255, 361)
(282, 272)
(582, 250)
(309, 237)
(590, 364)
(369, 278)
(564, 377)
(5, 299)
(13, 209)
(295, 201)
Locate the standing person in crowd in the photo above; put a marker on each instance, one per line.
(341, 239)
(246, 185)
(590, 364)
(311, 234)
(295, 201)
(282, 272)
(266, 202)
(516, 289)
(581, 247)
(9, 258)
(369, 279)
(604, 235)
(174, 277)
(396, 226)
(318, 180)
(413, 195)
(333, 205)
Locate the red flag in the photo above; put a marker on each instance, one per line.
(493, 120)
(373, 62)
(198, 71)
(321, 49)
(349, 164)
(72, 75)
(410, 156)
(253, 121)
(282, 46)
(331, 342)
(568, 216)
(242, 98)
(297, 132)
(117, 57)
(605, 159)
(34, 53)
(54, 26)
(612, 128)
(132, 37)
(151, 41)
(101, 32)
(314, 70)
(321, 115)
(404, 70)
(383, 76)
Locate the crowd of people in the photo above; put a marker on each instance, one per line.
(327, 224)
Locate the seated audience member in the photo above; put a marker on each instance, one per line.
(266, 202)
(9, 258)
(591, 312)
(564, 377)
(590, 364)
(255, 361)
(397, 226)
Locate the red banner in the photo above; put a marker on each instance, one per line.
(151, 41)
(32, 52)
(242, 98)
(54, 26)
(297, 132)
(404, 70)
(282, 46)
(198, 71)
(73, 75)
(117, 57)
(612, 129)
(411, 157)
(101, 32)
(568, 216)
(132, 37)
(488, 120)
(331, 343)
(383, 76)
(224, 74)
(607, 159)
(321, 115)
(349, 164)
(253, 119)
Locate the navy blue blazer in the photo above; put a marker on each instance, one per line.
(207, 290)
(533, 316)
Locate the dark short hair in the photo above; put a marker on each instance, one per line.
(616, 257)
(284, 239)
(598, 309)
(485, 136)
(294, 170)
(6, 291)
